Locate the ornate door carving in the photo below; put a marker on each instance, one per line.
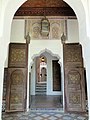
(18, 55)
(74, 78)
(4, 89)
(74, 89)
(17, 77)
(16, 89)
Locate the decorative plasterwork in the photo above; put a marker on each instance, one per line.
(47, 51)
(57, 27)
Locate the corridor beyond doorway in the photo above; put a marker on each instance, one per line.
(46, 102)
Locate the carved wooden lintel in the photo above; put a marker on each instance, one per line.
(49, 11)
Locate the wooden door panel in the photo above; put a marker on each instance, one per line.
(73, 55)
(16, 89)
(4, 89)
(18, 55)
(74, 78)
(74, 89)
(56, 76)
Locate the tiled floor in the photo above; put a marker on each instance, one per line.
(44, 116)
(44, 108)
(46, 102)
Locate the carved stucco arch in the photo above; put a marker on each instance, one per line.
(43, 51)
(12, 6)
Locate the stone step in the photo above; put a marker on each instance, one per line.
(41, 85)
(41, 89)
(40, 93)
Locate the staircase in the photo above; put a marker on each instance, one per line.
(40, 89)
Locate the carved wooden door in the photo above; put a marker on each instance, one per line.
(4, 90)
(74, 89)
(74, 78)
(18, 55)
(17, 77)
(16, 90)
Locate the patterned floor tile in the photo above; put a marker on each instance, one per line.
(58, 115)
(45, 108)
(52, 118)
(44, 116)
(67, 118)
(37, 118)
(32, 115)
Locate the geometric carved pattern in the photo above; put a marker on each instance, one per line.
(5, 83)
(74, 77)
(4, 89)
(36, 32)
(57, 27)
(16, 89)
(17, 77)
(55, 33)
(75, 98)
(28, 11)
(74, 89)
(18, 55)
(16, 101)
(73, 55)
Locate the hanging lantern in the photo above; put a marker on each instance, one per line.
(45, 27)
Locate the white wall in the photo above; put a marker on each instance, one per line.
(17, 34)
(17, 31)
(37, 46)
(72, 31)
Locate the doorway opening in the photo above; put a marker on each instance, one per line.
(47, 92)
(41, 75)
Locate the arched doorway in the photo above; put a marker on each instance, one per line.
(46, 92)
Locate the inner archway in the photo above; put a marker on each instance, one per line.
(48, 89)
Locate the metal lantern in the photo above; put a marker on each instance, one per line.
(45, 27)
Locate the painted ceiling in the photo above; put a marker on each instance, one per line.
(47, 7)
